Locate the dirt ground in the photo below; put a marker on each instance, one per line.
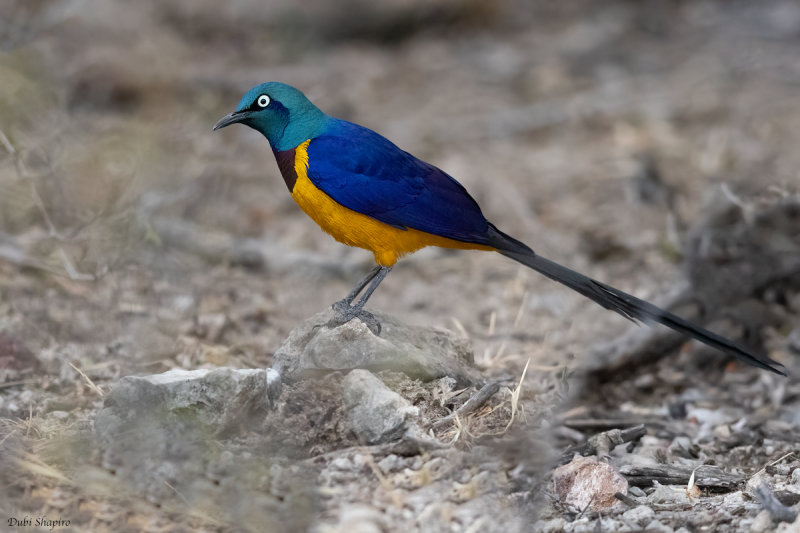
(134, 240)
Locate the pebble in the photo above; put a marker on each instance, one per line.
(734, 499)
(762, 522)
(796, 476)
(636, 492)
(655, 526)
(640, 515)
(550, 526)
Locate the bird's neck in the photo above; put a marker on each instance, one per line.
(299, 128)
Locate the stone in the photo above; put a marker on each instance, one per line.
(640, 516)
(214, 401)
(375, 413)
(420, 352)
(585, 482)
(657, 527)
(358, 518)
(762, 522)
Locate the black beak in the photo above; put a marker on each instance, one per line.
(233, 118)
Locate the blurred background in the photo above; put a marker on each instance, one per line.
(134, 240)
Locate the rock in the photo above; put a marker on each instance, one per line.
(734, 500)
(585, 482)
(211, 400)
(357, 518)
(762, 522)
(657, 527)
(376, 414)
(755, 481)
(420, 352)
(555, 525)
(636, 492)
(668, 494)
(640, 516)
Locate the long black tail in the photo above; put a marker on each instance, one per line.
(623, 303)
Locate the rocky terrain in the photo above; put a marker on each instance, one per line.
(156, 279)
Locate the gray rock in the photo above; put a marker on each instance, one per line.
(376, 414)
(636, 492)
(213, 401)
(640, 516)
(657, 527)
(420, 352)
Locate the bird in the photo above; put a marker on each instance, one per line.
(366, 192)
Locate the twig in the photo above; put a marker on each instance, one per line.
(92, 386)
(778, 511)
(602, 443)
(595, 424)
(707, 476)
(471, 405)
(627, 500)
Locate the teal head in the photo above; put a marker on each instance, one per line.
(280, 112)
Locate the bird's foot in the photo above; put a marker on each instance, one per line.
(344, 312)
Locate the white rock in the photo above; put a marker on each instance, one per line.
(762, 522)
(214, 400)
(376, 413)
(655, 527)
(641, 515)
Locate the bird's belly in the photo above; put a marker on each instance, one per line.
(386, 242)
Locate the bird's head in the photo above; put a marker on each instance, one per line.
(280, 112)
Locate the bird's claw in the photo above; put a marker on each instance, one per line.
(344, 312)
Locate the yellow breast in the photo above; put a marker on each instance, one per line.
(356, 229)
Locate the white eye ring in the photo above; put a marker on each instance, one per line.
(263, 100)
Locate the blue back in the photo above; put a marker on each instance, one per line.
(367, 173)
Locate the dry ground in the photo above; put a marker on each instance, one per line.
(135, 240)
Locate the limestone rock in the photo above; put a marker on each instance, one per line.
(420, 352)
(211, 400)
(376, 413)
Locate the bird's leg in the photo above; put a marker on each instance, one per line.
(345, 310)
(347, 300)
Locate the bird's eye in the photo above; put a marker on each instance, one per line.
(263, 100)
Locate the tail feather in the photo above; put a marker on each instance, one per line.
(625, 304)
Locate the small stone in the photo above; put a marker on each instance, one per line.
(762, 522)
(657, 527)
(391, 463)
(585, 482)
(796, 476)
(666, 494)
(556, 525)
(755, 481)
(734, 500)
(636, 492)
(376, 413)
(59, 415)
(641, 515)
(360, 519)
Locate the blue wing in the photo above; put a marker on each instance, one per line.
(365, 172)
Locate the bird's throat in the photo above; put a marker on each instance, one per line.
(286, 164)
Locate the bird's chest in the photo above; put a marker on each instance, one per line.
(344, 224)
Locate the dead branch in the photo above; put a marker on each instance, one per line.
(778, 511)
(705, 476)
(602, 443)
